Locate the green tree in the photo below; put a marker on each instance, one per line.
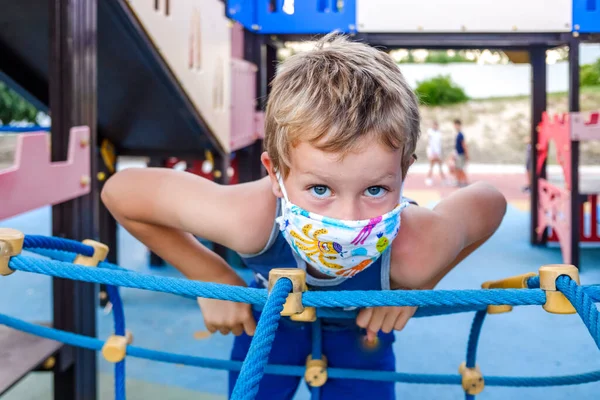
(13, 107)
(440, 90)
(590, 74)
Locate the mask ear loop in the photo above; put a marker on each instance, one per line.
(280, 181)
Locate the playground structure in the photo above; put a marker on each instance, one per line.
(157, 79)
(568, 205)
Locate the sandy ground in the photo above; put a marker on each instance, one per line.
(496, 129)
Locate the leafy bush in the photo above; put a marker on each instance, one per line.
(590, 74)
(14, 108)
(440, 90)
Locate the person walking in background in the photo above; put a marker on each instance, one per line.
(434, 152)
(462, 155)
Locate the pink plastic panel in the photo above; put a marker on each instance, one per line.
(237, 41)
(554, 210)
(244, 127)
(585, 126)
(555, 129)
(33, 181)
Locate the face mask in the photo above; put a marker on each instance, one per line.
(337, 247)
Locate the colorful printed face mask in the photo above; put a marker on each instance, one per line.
(337, 247)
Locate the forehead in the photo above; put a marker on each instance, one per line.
(368, 159)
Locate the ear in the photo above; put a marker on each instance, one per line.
(268, 164)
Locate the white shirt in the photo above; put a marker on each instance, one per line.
(434, 141)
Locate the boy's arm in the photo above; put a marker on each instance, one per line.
(239, 217)
(431, 244)
(164, 209)
(446, 235)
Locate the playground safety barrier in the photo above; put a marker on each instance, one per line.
(556, 288)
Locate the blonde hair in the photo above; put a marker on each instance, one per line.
(335, 94)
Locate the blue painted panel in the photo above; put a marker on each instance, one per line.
(242, 11)
(301, 17)
(307, 16)
(586, 15)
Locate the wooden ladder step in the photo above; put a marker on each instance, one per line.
(20, 353)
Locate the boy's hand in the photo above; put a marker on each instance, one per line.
(385, 319)
(227, 316)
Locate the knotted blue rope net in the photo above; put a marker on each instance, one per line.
(253, 368)
(330, 304)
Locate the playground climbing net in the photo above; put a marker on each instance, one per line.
(556, 288)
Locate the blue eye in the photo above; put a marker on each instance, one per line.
(320, 191)
(375, 191)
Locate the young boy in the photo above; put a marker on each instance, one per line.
(341, 128)
(461, 156)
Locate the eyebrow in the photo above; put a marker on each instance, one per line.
(375, 178)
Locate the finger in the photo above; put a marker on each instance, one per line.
(249, 325)
(211, 328)
(224, 330)
(401, 321)
(390, 318)
(377, 319)
(364, 316)
(237, 329)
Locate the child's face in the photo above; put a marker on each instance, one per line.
(363, 184)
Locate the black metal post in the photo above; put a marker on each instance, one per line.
(73, 99)
(537, 57)
(574, 191)
(108, 225)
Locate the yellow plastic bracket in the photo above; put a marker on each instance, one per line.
(109, 156)
(100, 253)
(472, 379)
(293, 305)
(11, 244)
(115, 348)
(556, 302)
(513, 282)
(316, 371)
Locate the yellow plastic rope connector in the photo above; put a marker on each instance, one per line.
(11, 244)
(316, 371)
(293, 305)
(115, 348)
(556, 302)
(472, 380)
(100, 253)
(513, 282)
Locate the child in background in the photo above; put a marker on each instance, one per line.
(434, 152)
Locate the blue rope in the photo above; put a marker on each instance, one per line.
(138, 281)
(253, 368)
(56, 243)
(420, 298)
(359, 298)
(474, 338)
(59, 255)
(583, 304)
(533, 282)
(73, 339)
(119, 322)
